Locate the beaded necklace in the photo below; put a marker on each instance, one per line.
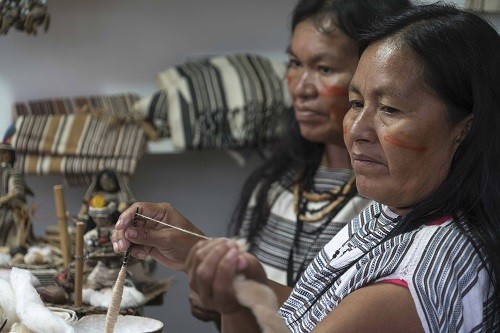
(335, 199)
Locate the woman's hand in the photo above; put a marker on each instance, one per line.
(199, 311)
(166, 245)
(212, 266)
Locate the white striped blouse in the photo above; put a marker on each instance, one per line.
(443, 271)
(274, 241)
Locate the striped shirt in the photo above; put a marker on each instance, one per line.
(274, 242)
(445, 276)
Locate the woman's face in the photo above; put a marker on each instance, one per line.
(5, 157)
(107, 183)
(321, 66)
(397, 133)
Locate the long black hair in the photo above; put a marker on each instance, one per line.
(293, 155)
(460, 54)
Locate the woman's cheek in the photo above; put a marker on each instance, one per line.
(405, 143)
(345, 129)
(334, 91)
(339, 101)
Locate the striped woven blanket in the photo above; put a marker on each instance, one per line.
(77, 137)
(220, 102)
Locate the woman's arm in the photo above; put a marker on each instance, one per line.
(380, 307)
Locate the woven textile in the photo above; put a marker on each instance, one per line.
(228, 101)
(78, 137)
(155, 107)
(118, 105)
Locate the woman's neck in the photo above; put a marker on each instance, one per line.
(336, 157)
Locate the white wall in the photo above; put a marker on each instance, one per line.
(114, 46)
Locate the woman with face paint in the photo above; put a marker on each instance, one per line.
(305, 193)
(422, 135)
(302, 195)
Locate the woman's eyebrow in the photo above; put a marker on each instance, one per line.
(351, 87)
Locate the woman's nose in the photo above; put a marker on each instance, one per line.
(359, 125)
(304, 85)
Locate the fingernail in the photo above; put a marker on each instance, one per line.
(115, 246)
(118, 223)
(120, 244)
(131, 233)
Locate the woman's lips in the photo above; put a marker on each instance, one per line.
(304, 114)
(360, 161)
(364, 158)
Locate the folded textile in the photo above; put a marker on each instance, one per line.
(155, 106)
(227, 101)
(118, 104)
(77, 137)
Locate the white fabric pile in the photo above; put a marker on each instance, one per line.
(23, 308)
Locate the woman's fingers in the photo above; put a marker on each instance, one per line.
(212, 266)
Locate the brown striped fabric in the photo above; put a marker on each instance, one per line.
(117, 105)
(77, 137)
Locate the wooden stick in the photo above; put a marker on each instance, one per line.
(63, 227)
(80, 228)
(21, 232)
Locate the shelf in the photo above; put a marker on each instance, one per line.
(162, 146)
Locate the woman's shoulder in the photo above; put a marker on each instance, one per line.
(447, 276)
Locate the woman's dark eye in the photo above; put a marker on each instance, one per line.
(356, 104)
(325, 70)
(388, 109)
(292, 63)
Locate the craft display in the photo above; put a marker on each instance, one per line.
(23, 15)
(107, 184)
(232, 102)
(78, 277)
(219, 102)
(79, 136)
(22, 310)
(15, 218)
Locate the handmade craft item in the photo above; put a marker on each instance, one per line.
(23, 15)
(80, 227)
(114, 309)
(15, 218)
(62, 223)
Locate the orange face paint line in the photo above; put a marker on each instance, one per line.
(402, 144)
(334, 91)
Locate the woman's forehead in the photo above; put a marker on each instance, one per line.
(390, 68)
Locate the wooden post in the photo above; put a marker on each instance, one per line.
(80, 228)
(63, 227)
